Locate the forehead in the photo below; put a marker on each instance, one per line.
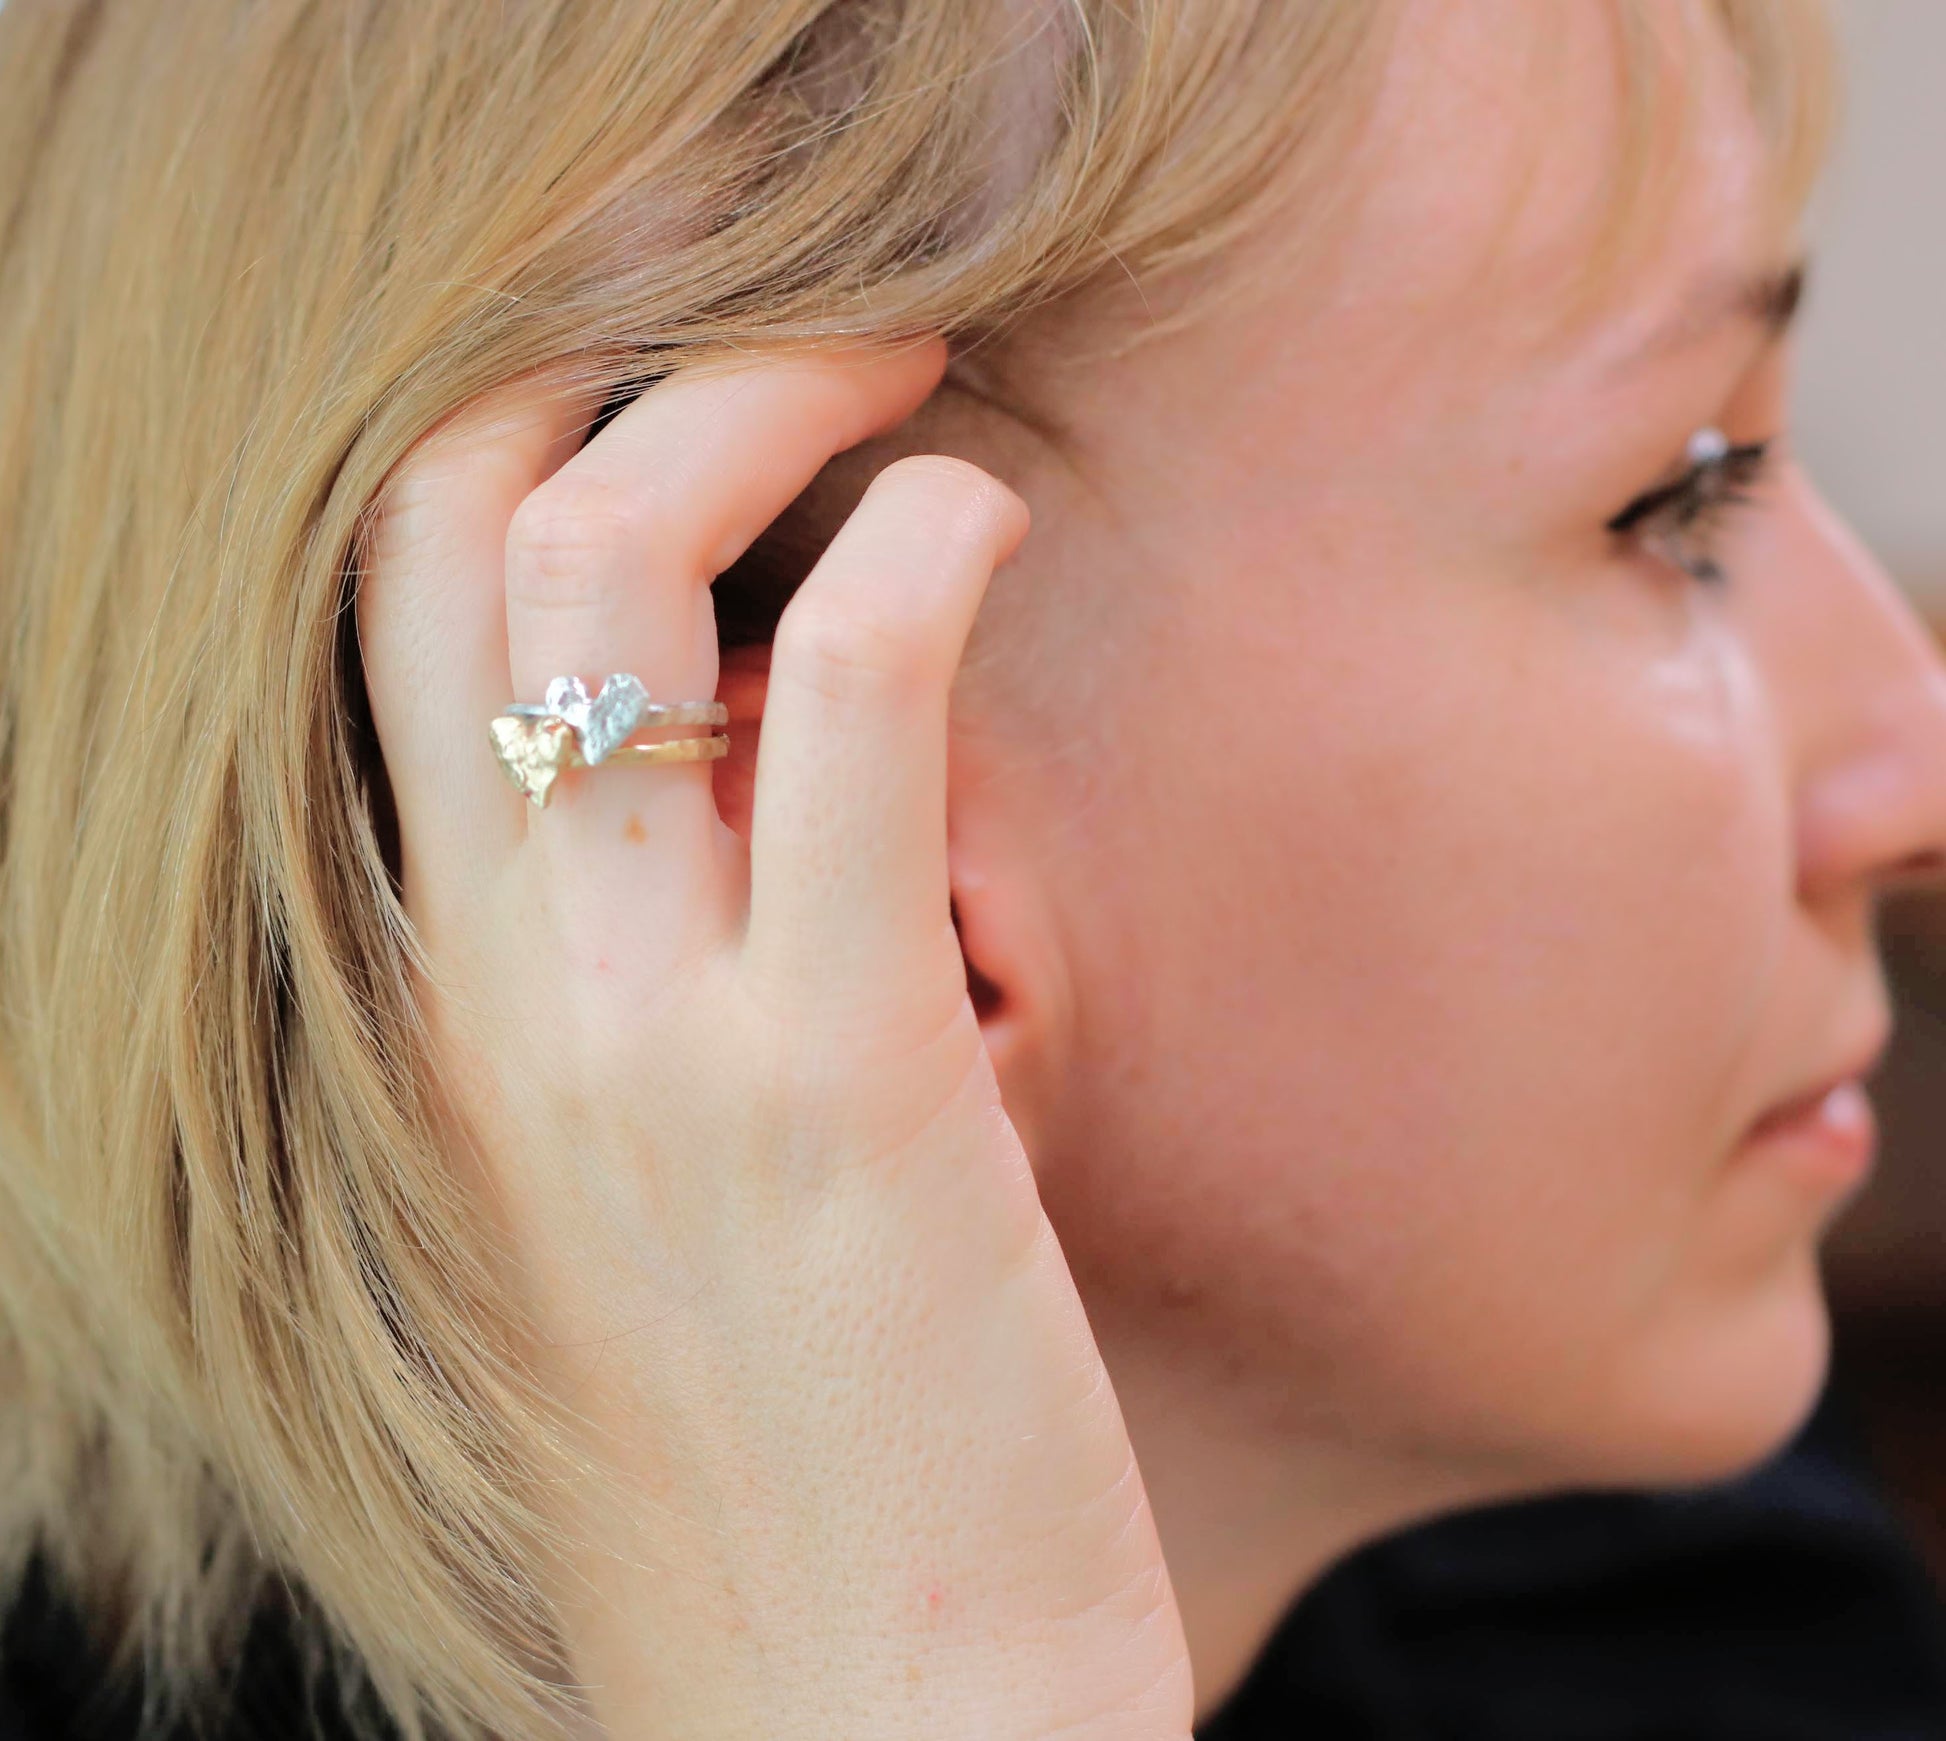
(1490, 173)
(1431, 322)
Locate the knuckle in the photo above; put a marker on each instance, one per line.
(566, 539)
(841, 652)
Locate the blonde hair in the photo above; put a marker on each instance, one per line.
(252, 253)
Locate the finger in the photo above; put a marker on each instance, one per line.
(849, 894)
(608, 570)
(432, 614)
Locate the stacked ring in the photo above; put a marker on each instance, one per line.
(571, 729)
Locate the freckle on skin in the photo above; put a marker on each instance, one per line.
(633, 830)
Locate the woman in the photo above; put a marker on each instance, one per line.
(1394, 895)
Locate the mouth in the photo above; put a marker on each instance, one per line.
(1829, 1129)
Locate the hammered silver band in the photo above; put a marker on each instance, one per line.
(653, 713)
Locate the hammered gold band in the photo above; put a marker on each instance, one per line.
(675, 750)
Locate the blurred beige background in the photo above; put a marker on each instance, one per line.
(1872, 388)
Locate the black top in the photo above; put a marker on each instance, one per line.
(1786, 1607)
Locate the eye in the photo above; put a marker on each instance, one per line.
(1679, 521)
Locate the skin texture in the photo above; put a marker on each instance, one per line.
(1417, 893)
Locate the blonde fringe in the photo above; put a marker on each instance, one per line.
(249, 254)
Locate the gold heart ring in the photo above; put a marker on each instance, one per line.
(573, 730)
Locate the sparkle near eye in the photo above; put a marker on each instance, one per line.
(1678, 521)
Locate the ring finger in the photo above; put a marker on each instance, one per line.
(608, 568)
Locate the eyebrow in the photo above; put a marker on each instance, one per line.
(1769, 300)
(1772, 299)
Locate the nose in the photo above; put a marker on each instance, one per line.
(1871, 800)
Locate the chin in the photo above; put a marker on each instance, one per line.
(1725, 1391)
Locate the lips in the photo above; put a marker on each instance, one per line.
(1837, 1102)
(1806, 1105)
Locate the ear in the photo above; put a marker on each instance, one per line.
(1016, 971)
(1017, 968)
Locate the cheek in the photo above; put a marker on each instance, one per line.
(1423, 1009)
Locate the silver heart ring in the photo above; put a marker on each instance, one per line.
(534, 742)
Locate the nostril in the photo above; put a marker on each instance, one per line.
(1927, 866)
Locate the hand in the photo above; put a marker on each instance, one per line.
(731, 1108)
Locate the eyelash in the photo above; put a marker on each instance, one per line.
(1679, 521)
